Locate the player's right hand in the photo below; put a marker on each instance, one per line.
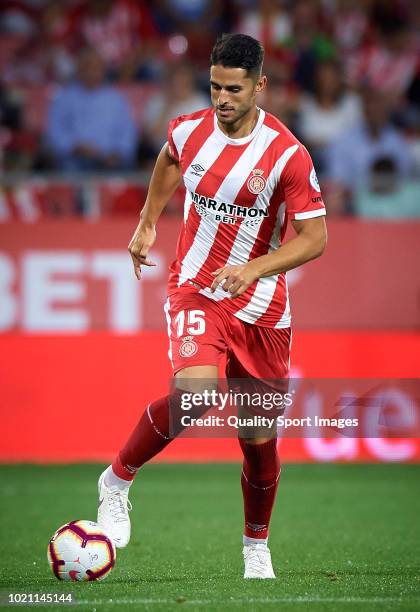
(141, 242)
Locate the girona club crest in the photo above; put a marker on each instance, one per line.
(188, 347)
(256, 183)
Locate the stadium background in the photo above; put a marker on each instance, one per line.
(83, 345)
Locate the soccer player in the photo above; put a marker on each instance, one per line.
(245, 176)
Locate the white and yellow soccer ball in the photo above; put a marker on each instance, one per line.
(81, 551)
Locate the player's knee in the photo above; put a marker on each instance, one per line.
(261, 462)
(258, 445)
(264, 452)
(255, 441)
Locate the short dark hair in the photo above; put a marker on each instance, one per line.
(238, 51)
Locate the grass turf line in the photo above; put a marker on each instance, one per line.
(343, 537)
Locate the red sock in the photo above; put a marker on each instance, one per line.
(148, 438)
(260, 479)
(158, 426)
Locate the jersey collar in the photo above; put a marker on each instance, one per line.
(245, 139)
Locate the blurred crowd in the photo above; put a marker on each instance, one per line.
(88, 86)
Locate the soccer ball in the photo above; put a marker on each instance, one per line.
(81, 550)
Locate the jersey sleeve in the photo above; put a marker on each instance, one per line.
(173, 151)
(301, 188)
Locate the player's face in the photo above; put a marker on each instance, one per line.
(233, 93)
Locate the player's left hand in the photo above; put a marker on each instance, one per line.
(235, 279)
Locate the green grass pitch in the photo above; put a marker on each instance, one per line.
(343, 538)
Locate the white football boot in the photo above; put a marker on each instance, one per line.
(113, 510)
(257, 558)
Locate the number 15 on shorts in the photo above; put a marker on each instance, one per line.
(191, 322)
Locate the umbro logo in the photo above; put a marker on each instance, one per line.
(197, 169)
(256, 526)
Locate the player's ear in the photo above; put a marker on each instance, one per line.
(261, 83)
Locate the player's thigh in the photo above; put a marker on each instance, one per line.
(197, 336)
(260, 353)
(197, 379)
(198, 371)
(258, 368)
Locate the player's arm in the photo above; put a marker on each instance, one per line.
(165, 179)
(305, 208)
(309, 243)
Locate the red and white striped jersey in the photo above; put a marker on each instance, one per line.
(239, 195)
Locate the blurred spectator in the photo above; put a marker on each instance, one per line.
(89, 124)
(199, 21)
(412, 126)
(281, 96)
(351, 156)
(389, 64)
(57, 35)
(26, 66)
(308, 43)
(382, 12)
(387, 197)
(329, 112)
(414, 21)
(361, 156)
(269, 22)
(182, 15)
(10, 125)
(179, 97)
(350, 25)
(123, 34)
(10, 109)
(18, 18)
(36, 41)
